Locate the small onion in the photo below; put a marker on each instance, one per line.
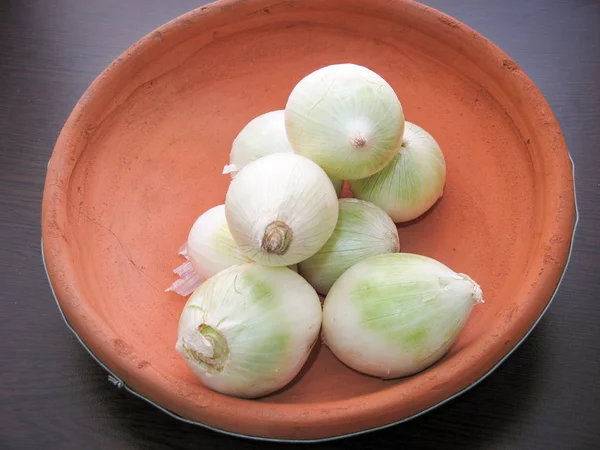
(346, 118)
(209, 249)
(210, 246)
(414, 180)
(395, 314)
(248, 330)
(262, 136)
(362, 230)
(281, 209)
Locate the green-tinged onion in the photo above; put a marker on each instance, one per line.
(346, 118)
(395, 314)
(410, 184)
(362, 230)
(262, 136)
(281, 209)
(248, 330)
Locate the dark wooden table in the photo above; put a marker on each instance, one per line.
(52, 393)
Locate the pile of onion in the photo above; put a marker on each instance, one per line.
(256, 263)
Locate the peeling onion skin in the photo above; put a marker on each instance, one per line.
(209, 249)
(210, 246)
(412, 182)
(396, 314)
(248, 330)
(262, 136)
(281, 209)
(346, 118)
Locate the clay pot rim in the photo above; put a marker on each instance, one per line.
(446, 380)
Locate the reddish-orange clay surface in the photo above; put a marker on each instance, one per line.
(141, 158)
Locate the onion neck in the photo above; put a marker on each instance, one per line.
(205, 346)
(277, 238)
(476, 291)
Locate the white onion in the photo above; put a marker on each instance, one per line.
(281, 209)
(362, 230)
(395, 314)
(210, 246)
(346, 118)
(209, 249)
(412, 182)
(262, 136)
(248, 330)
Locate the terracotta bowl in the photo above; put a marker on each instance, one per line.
(141, 157)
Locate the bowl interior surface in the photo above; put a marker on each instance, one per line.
(144, 159)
